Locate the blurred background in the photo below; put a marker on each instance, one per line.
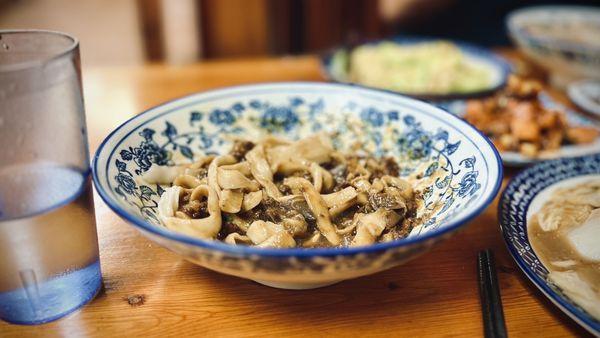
(131, 32)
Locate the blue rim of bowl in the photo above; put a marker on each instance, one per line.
(519, 33)
(576, 314)
(469, 48)
(294, 252)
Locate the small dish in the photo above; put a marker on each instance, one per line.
(514, 159)
(523, 196)
(586, 95)
(388, 124)
(562, 39)
(335, 66)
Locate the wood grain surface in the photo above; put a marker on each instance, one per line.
(149, 291)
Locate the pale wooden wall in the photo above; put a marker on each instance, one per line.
(108, 30)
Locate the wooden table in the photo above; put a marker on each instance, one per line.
(151, 291)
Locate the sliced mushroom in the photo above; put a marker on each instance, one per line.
(387, 237)
(202, 161)
(242, 167)
(239, 222)
(290, 199)
(341, 200)
(390, 198)
(322, 179)
(317, 206)
(312, 241)
(295, 225)
(231, 201)
(405, 187)
(357, 171)
(233, 179)
(251, 200)
(361, 184)
(269, 234)
(273, 141)
(370, 226)
(213, 181)
(187, 181)
(316, 148)
(199, 173)
(282, 160)
(259, 231)
(297, 156)
(235, 238)
(278, 240)
(261, 171)
(348, 228)
(376, 186)
(339, 197)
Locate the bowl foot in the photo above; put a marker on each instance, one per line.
(296, 286)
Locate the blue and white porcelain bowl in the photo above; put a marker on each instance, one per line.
(522, 197)
(562, 39)
(422, 137)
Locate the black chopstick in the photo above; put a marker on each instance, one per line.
(489, 293)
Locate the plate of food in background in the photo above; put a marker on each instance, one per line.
(419, 67)
(563, 39)
(550, 219)
(527, 125)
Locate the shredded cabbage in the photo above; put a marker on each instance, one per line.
(434, 67)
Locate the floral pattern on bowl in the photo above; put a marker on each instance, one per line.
(460, 169)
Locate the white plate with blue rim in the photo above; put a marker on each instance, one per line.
(335, 66)
(515, 159)
(423, 137)
(524, 193)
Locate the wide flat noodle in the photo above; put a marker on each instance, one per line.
(277, 193)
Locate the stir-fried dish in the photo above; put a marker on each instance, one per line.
(565, 235)
(277, 193)
(515, 120)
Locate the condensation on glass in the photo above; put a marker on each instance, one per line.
(48, 244)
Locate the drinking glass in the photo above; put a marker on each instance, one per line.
(49, 264)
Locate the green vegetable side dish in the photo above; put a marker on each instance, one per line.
(437, 68)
